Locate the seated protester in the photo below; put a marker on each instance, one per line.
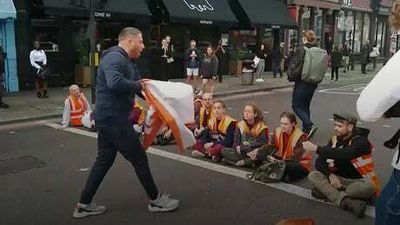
(345, 167)
(137, 117)
(250, 133)
(76, 106)
(286, 144)
(204, 114)
(218, 134)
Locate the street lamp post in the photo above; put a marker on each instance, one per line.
(92, 25)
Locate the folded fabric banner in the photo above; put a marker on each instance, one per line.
(382, 92)
(170, 104)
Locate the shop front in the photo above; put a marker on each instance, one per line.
(7, 43)
(62, 28)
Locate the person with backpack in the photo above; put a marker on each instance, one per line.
(307, 69)
(250, 134)
(286, 144)
(345, 172)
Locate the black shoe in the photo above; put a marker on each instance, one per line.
(45, 95)
(358, 207)
(39, 94)
(318, 195)
(4, 105)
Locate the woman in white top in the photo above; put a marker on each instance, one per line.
(377, 97)
(38, 61)
(374, 55)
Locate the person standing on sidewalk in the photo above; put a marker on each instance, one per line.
(346, 57)
(336, 62)
(283, 56)
(2, 71)
(220, 53)
(364, 55)
(117, 82)
(38, 61)
(374, 56)
(209, 71)
(165, 55)
(276, 61)
(262, 55)
(307, 69)
(192, 65)
(345, 168)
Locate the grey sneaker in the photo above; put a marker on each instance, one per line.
(83, 210)
(163, 204)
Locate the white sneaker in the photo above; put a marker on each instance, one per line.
(163, 204)
(258, 80)
(261, 80)
(83, 210)
(197, 154)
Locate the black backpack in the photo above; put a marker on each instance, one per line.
(295, 67)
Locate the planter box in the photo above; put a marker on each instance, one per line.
(235, 67)
(82, 75)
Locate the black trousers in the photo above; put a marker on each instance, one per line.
(295, 171)
(335, 70)
(116, 135)
(363, 68)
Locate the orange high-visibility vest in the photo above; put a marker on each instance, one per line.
(256, 131)
(203, 115)
(364, 165)
(78, 107)
(287, 153)
(223, 124)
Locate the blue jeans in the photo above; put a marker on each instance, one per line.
(301, 99)
(388, 204)
(117, 135)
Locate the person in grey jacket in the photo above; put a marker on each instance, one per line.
(209, 71)
(117, 84)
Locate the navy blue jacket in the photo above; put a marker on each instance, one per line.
(117, 84)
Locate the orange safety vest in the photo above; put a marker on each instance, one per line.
(203, 115)
(364, 165)
(256, 130)
(223, 125)
(78, 107)
(287, 153)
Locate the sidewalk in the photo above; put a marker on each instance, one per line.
(25, 106)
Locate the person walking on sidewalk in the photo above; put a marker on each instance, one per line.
(307, 69)
(261, 54)
(346, 57)
(364, 55)
(345, 168)
(2, 71)
(276, 61)
(336, 61)
(192, 65)
(38, 61)
(117, 80)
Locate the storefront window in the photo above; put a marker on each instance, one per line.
(366, 28)
(305, 19)
(318, 23)
(349, 28)
(357, 33)
(380, 38)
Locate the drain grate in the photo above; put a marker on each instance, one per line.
(16, 165)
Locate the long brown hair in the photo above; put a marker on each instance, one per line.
(259, 116)
(290, 116)
(395, 15)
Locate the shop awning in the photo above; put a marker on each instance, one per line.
(316, 3)
(208, 12)
(104, 9)
(7, 9)
(269, 13)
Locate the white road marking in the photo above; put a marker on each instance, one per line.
(353, 89)
(386, 126)
(289, 188)
(265, 112)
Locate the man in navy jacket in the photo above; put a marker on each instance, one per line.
(117, 84)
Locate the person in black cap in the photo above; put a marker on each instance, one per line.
(345, 172)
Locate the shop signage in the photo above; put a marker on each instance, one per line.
(102, 15)
(207, 22)
(275, 26)
(204, 6)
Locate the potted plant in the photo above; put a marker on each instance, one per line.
(82, 70)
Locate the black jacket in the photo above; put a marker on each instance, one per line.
(336, 59)
(343, 153)
(117, 84)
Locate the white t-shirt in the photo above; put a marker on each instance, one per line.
(37, 56)
(396, 161)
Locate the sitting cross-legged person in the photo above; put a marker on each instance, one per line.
(218, 134)
(204, 114)
(286, 144)
(345, 168)
(250, 133)
(77, 111)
